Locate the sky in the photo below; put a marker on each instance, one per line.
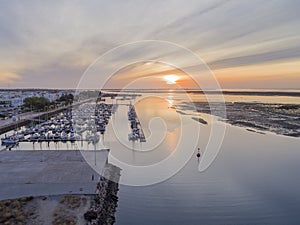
(245, 44)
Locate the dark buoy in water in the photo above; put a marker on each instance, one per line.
(198, 154)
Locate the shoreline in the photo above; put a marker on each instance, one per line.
(33, 195)
(282, 119)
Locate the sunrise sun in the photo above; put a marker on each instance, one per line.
(171, 79)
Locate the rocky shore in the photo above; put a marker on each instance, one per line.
(104, 204)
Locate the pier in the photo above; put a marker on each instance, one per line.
(137, 131)
(37, 173)
(142, 135)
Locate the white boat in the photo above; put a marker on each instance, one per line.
(96, 138)
(133, 136)
(42, 137)
(101, 129)
(56, 136)
(72, 136)
(33, 137)
(64, 136)
(49, 136)
(20, 136)
(88, 137)
(8, 141)
(79, 130)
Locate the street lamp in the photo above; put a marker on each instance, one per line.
(46, 107)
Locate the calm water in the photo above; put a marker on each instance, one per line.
(254, 179)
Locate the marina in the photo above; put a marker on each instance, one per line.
(150, 112)
(57, 172)
(84, 122)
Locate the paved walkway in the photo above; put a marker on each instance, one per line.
(36, 173)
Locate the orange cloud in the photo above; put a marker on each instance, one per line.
(7, 77)
(150, 75)
(262, 75)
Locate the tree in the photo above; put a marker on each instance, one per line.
(66, 98)
(36, 103)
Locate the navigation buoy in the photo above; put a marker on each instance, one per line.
(198, 154)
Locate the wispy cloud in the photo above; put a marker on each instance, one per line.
(43, 40)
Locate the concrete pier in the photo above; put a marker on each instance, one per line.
(36, 173)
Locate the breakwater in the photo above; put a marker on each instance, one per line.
(105, 202)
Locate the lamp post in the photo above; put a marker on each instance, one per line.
(46, 107)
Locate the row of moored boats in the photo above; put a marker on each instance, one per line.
(82, 123)
(136, 131)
